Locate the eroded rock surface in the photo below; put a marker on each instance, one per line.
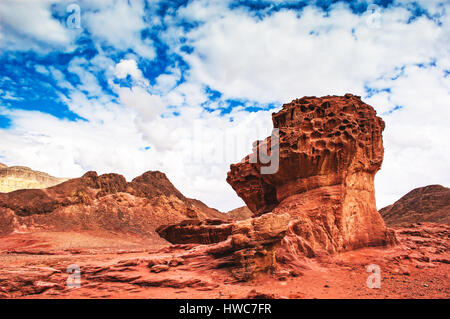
(246, 247)
(330, 149)
(194, 231)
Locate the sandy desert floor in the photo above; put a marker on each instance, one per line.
(34, 265)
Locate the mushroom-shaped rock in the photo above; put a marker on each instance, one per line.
(329, 151)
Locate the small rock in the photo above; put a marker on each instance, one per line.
(159, 268)
(253, 294)
(404, 271)
(45, 284)
(296, 273)
(176, 261)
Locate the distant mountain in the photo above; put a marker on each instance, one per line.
(425, 204)
(21, 177)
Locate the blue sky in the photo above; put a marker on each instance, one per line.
(185, 87)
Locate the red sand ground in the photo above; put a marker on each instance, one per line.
(34, 266)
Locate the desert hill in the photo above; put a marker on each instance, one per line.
(425, 204)
(98, 204)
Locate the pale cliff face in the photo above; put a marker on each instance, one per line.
(329, 151)
(20, 177)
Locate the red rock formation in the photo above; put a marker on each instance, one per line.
(101, 203)
(251, 248)
(329, 151)
(246, 247)
(425, 204)
(194, 231)
(240, 213)
(207, 211)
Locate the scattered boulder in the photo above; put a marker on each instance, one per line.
(246, 247)
(194, 231)
(159, 268)
(253, 294)
(176, 261)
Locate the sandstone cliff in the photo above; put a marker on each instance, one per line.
(21, 177)
(425, 204)
(329, 151)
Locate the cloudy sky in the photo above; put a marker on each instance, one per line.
(185, 87)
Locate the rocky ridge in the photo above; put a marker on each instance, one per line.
(105, 203)
(425, 204)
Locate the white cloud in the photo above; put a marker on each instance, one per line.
(65, 148)
(149, 106)
(277, 59)
(129, 67)
(29, 25)
(167, 81)
(41, 69)
(89, 82)
(416, 144)
(119, 24)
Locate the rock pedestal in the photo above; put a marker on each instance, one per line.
(329, 151)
